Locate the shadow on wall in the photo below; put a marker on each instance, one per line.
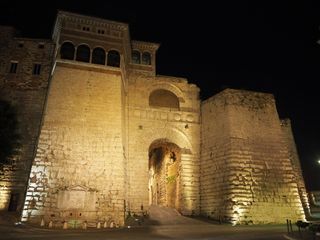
(9, 134)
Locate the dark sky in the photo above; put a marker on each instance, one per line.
(268, 46)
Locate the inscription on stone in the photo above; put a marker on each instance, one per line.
(76, 198)
(165, 115)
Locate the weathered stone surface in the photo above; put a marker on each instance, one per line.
(25, 93)
(109, 141)
(248, 174)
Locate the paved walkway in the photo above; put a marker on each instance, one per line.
(163, 223)
(159, 215)
(305, 235)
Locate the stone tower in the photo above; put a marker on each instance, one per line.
(110, 137)
(249, 173)
(23, 92)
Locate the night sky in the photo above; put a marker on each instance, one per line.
(256, 45)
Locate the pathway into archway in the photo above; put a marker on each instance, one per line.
(164, 177)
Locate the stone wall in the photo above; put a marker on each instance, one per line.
(79, 173)
(215, 152)
(248, 169)
(149, 124)
(295, 161)
(25, 93)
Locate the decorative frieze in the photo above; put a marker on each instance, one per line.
(165, 115)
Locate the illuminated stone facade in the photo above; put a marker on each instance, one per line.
(25, 94)
(106, 136)
(249, 163)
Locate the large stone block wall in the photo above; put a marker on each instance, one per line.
(78, 172)
(215, 152)
(295, 161)
(25, 93)
(257, 183)
(148, 124)
(14, 175)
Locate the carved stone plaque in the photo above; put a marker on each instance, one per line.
(77, 197)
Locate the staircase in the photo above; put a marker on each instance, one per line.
(159, 215)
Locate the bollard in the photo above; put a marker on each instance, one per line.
(42, 223)
(288, 226)
(65, 225)
(98, 225)
(84, 225)
(111, 225)
(50, 224)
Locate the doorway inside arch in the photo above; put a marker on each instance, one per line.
(164, 177)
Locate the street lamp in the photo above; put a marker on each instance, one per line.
(319, 162)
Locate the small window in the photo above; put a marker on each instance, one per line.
(20, 44)
(100, 31)
(41, 45)
(113, 58)
(13, 67)
(136, 57)
(83, 53)
(36, 69)
(67, 51)
(86, 29)
(99, 56)
(146, 58)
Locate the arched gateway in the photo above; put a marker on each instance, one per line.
(163, 168)
(164, 174)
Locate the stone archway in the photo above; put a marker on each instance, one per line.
(164, 175)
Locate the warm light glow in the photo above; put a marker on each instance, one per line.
(5, 192)
(36, 171)
(237, 214)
